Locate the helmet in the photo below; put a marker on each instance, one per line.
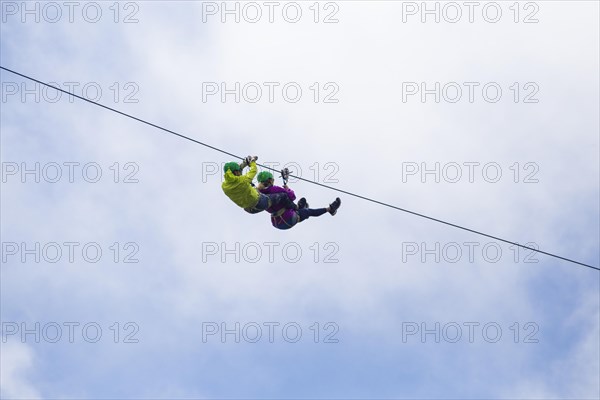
(264, 176)
(233, 166)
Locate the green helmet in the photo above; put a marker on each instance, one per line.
(264, 176)
(233, 166)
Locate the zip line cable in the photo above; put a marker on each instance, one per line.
(303, 179)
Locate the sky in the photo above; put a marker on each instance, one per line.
(127, 273)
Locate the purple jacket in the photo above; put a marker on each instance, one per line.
(278, 189)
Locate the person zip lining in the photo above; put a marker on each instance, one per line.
(143, 121)
(241, 191)
(283, 217)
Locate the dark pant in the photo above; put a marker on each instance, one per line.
(268, 200)
(283, 223)
(298, 216)
(281, 199)
(304, 213)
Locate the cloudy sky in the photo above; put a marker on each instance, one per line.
(127, 273)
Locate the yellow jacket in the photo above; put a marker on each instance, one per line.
(238, 188)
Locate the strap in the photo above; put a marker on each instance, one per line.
(280, 218)
(278, 213)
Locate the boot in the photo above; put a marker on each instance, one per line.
(334, 206)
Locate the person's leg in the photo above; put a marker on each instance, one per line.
(305, 213)
(333, 207)
(263, 204)
(282, 199)
(285, 223)
(302, 203)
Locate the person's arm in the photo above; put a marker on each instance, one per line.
(246, 162)
(285, 189)
(252, 173)
(290, 192)
(230, 177)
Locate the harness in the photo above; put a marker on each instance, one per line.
(277, 217)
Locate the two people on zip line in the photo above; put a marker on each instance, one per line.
(277, 200)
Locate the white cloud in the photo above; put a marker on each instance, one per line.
(171, 212)
(579, 369)
(17, 365)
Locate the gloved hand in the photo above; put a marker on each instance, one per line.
(246, 162)
(285, 175)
